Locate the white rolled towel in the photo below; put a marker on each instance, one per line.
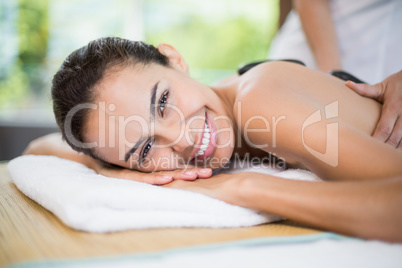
(91, 202)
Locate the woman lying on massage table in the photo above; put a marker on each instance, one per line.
(131, 109)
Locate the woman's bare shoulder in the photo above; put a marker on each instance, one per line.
(269, 111)
(271, 86)
(270, 78)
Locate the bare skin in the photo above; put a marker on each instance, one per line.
(364, 201)
(361, 194)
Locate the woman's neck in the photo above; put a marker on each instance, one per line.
(227, 90)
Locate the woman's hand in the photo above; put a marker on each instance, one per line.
(226, 187)
(158, 178)
(388, 92)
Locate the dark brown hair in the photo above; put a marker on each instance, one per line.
(74, 83)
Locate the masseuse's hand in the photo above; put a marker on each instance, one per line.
(388, 92)
(157, 178)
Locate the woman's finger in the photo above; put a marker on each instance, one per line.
(164, 177)
(156, 178)
(204, 173)
(133, 175)
(150, 178)
(189, 173)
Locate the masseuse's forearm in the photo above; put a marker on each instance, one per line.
(368, 209)
(318, 26)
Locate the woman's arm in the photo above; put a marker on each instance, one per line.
(53, 144)
(368, 209)
(318, 26)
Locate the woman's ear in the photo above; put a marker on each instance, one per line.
(175, 58)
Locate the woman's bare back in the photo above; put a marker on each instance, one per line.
(312, 120)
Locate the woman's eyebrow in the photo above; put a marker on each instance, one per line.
(153, 97)
(152, 112)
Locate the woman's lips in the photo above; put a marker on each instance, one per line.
(206, 145)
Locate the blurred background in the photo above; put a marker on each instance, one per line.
(214, 36)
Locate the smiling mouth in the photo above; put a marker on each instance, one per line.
(208, 140)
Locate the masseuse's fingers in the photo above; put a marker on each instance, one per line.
(386, 127)
(395, 139)
(372, 91)
(388, 92)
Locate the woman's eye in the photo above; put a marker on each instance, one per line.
(146, 149)
(163, 101)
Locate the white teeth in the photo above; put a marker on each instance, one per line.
(205, 141)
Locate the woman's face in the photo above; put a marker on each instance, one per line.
(158, 118)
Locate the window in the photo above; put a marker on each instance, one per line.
(214, 36)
